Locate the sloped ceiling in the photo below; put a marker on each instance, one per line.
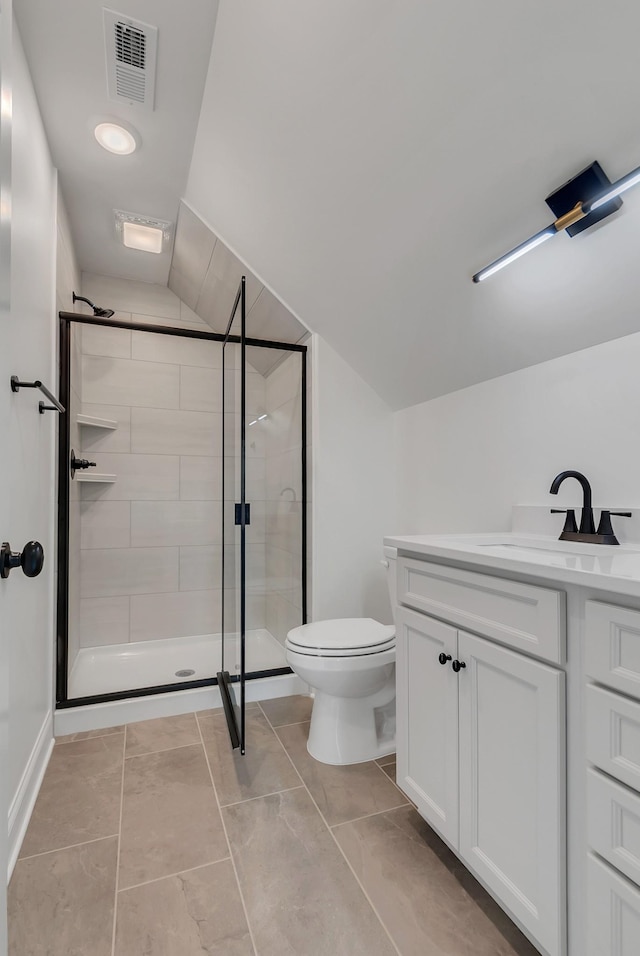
(366, 158)
(65, 45)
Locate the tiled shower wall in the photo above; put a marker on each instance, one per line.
(151, 542)
(284, 496)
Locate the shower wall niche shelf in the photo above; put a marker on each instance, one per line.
(91, 476)
(96, 422)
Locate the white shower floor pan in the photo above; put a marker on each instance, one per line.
(120, 667)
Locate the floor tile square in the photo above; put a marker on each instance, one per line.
(195, 913)
(342, 793)
(170, 818)
(80, 795)
(265, 768)
(61, 903)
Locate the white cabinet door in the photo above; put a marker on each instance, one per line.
(512, 783)
(613, 912)
(427, 719)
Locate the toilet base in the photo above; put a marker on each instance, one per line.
(348, 730)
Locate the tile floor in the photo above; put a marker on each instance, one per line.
(154, 839)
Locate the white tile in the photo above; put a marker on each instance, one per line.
(193, 248)
(182, 323)
(200, 478)
(105, 524)
(102, 340)
(173, 523)
(104, 621)
(128, 571)
(201, 568)
(201, 389)
(103, 440)
(184, 287)
(165, 432)
(131, 296)
(284, 382)
(220, 287)
(284, 471)
(126, 382)
(178, 349)
(183, 614)
(138, 477)
(270, 319)
(283, 429)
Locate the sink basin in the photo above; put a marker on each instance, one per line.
(512, 544)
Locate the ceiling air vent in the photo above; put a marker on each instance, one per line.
(131, 59)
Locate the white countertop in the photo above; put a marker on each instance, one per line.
(614, 568)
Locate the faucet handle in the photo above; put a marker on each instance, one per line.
(605, 528)
(570, 526)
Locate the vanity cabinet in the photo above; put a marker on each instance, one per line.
(612, 639)
(481, 750)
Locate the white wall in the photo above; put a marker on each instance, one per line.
(29, 446)
(352, 494)
(463, 459)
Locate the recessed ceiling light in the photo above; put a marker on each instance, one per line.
(142, 232)
(115, 139)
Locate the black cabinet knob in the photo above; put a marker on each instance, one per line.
(458, 665)
(30, 559)
(443, 658)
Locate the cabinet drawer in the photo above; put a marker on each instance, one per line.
(613, 921)
(612, 637)
(613, 821)
(522, 616)
(613, 734)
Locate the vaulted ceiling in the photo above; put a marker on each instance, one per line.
(364, 159)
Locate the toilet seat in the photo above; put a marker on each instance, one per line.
(342, 637)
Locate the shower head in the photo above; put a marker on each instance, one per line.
(97, 311)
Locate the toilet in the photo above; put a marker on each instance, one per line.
(349, 663)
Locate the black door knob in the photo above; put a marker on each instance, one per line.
(30, 559)
(443, 658)
(458, 665)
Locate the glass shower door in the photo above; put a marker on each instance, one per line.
(235, 518)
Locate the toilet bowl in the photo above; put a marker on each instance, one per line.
(350, 665)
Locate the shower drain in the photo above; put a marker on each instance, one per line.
(185, 672)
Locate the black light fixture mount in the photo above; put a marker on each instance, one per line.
(580, 203)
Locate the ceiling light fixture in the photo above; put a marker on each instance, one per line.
(142, 232)
(586, 199)
(116, 139)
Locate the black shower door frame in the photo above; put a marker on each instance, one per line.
(66, 320)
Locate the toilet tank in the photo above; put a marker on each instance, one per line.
(390, 559)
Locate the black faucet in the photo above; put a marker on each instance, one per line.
(587, 525)
(587, 531)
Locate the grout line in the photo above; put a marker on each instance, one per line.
(394, 782)
(273, 793)
(169, 876)
(71, 846)
(365, 816)
(114, 733)
(117, 882)
(162, 750)
(390, 758)
(340, 850)
(226, 836)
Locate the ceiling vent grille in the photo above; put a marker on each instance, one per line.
(131, 59)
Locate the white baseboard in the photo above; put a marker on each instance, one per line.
(73, 720)
(25, 797)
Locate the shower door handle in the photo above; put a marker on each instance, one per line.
(247, 513)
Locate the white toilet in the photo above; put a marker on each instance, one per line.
(350, 665)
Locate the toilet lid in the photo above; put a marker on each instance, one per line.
(347, 634)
